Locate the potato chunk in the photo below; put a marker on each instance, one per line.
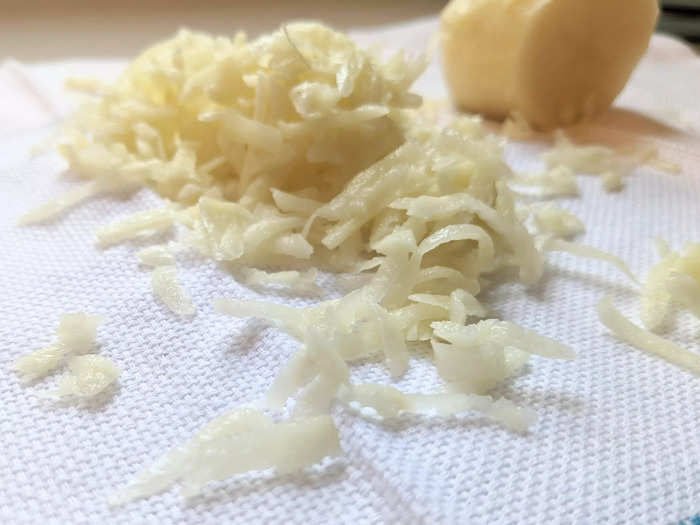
(554, 61)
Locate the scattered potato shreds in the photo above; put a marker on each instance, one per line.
(612, 166)
(76, 336)
(138, 225)
(675, 278)
(39, 362)
(612, 181)
(627, 331)
(559, 245)
(505, 334)
(552, 220)
(167, 288)
(156, 256)
(88, 375)
(477, 358)
(299, 146)
(583, 159)
(285, 317)
(238, 441)
(558, 181)
(302, 282)
(52, 209)
(481, 356)
(656, 298)
(502, 410)
(685, 290)
(77, 331)
(388, 402)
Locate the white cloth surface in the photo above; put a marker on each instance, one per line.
(617, 440)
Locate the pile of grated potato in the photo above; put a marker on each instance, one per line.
(299, 151)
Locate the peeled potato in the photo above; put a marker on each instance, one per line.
(554, 61)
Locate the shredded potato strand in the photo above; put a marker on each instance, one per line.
(559, 245)
(624, 329)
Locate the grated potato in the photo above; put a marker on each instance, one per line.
(645, 340)
(88, 375)
(302, 282)
(594, 160)
(167, 288)
(612, 181)
(685, 290)
(76, 336)
(612, 166)
(156, 256)
(138, 225)
(388, 402)
(238, 441)
(558, 181)
(588, 252)
(550, 219)
(676, 277)
(299, 148)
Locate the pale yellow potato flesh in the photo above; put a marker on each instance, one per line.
(555, 61)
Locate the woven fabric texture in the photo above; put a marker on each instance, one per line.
(617, 440)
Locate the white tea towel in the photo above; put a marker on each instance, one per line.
(617, 440)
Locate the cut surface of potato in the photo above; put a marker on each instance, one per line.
(555, 62)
